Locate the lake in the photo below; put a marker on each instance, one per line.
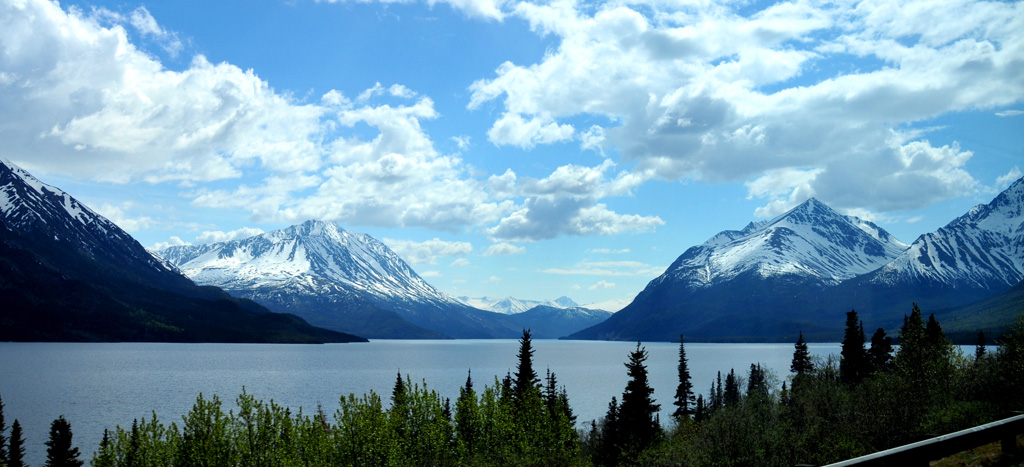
(97, 386)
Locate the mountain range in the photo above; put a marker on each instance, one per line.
(804, 269)
(348, 281)
(68, 274)
(512, 305)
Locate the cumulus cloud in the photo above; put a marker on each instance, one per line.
(460, 263)
(492, 280)
(427, 252)
(1008, 178)
(501, 249)
(72, 84)
(118, 215)
(217, 236)
(601, 284)
(706, 91)
(173, 241)
(81, 99)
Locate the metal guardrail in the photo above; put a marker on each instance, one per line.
(920, 453)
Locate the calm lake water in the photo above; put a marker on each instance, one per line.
(97, 386)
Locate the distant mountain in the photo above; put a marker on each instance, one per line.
(972, 258)
(758, 283)
(68, 274)
(993, 315)
(511, 305)
(802, 270)
(548, 322)
(338, 279)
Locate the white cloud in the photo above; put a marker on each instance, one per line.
(119, 216)
(460, 263)
(705, 91)
(501, 249)
(430, 274)
(608, 251)
(492, 280)
(608, 268)
(610, 305)
(1008, 178)
(483, 9)
(427, 252)
(1010, 113)
(173, 241)
(144, 22)
(73, 83)
(217, 236)
(601, 284)
(72, 80)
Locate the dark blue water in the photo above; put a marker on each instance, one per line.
(97, 386)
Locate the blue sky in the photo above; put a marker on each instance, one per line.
(505, 147)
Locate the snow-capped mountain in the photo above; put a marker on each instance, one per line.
(811, 240)
(549, 322)
(512, 305)
(323, 272)
(759, 281)
(315, 257)
(983, 249)
(803, 269)
(67, 273)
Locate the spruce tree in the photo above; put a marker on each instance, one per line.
(684, 400)
(801, 357)
(880, 353)
(638, 412)
(525, 377)
(467, 418)
(732, 390)
(609, 446)
(16, 449)
(59, 452)
(3, 439)
(853, 365)
(399, 395)
(979, 349)
(757, 384)
(701, 412)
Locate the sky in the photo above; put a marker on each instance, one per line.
(531, 149)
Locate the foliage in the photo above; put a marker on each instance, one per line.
(16, 447)
(685, 400)
(59, 452)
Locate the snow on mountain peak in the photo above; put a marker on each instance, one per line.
(314, 256)
(811, 239)
(982, 248)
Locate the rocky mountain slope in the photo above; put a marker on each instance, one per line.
(68, 274)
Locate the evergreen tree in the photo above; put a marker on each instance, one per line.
(880, 353)
(104, 456)
(979, 349)
(732, 390)
(59, 452)
(468, 425)
(609, 446)
(398, 392)
(757, 383)
(801, 357)
(525, 378)
(684, 391)
(853, 365)
(16, 449)
(3, 438)
(719, 393)
(638, 412)
(911, 353)
(936, 342)
(701, 412)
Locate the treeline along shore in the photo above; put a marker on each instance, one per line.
(869, 398)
